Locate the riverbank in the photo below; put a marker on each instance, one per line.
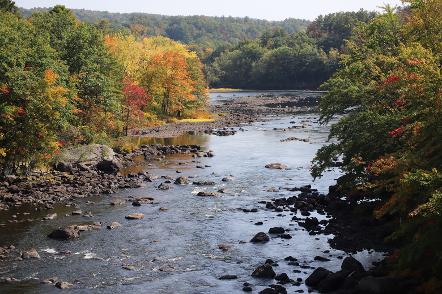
(188, 213)
(84, 177)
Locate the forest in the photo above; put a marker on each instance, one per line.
(281, 60)
(64, 82)
(201, 32)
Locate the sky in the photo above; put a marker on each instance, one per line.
(263, 9)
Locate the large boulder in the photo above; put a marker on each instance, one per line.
(90, 154)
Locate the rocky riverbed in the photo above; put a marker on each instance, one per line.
(219, 214)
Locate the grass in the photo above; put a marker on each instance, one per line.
(224, 90)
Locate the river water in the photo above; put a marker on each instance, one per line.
(176, 251)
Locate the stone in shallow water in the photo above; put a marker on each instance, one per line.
(276, 165)
(207, 194)
(264, 271)
(63, 285)
(276, 230)
(113, 225)
(261, 237)
(31, 253)
(70, 232)
(228, 277)
(135, 216)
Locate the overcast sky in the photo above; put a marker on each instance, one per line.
(265, 9)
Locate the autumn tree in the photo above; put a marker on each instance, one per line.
(169, 73)
(135, 100)
(388, 143)
(34, 107)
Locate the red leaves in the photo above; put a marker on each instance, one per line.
(21, 111)
(391, 79)
(400, 103)
(397, 132)
(136, 96)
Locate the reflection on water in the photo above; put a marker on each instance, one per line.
(185, 139)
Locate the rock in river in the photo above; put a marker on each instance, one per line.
(261, 237)
(206, 194)
(31, 253)
(113, 225)
(228, 277)
(63, 285)
(276, 166)
(135, 216)
(264, 271)
(276, 230)
(317, 276)
(182, 181)
(67, 233)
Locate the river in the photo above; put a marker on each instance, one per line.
(177, 250)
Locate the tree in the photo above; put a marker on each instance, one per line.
(34, 106)
(135, 99)
(166, 70)
(8, 6)
(388, 143)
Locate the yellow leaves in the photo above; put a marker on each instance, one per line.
(50, 76)
(4, 89)
(383, 165)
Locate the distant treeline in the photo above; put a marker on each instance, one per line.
(198, 31)
(281, 60)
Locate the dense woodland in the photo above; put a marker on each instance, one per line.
(282, 60)
(389, 143)
(65, 82)
(201, 32)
